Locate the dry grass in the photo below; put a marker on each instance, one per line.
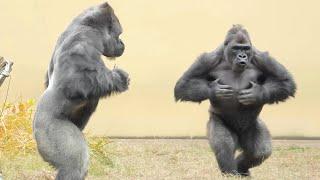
(18, 148)
(144, 158)
(16, 128)
(172, 159)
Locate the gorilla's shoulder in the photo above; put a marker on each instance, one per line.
(84, 50)
(210, 58)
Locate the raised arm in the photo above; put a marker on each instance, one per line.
(84, 79)
(194, 83)
(279, 84)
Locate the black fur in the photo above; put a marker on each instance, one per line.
(238, 80)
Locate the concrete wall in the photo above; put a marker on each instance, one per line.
(162, 39)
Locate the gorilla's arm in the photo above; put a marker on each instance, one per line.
(194, 83)
(278, 84)
(89, 80)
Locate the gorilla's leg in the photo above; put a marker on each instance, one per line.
(223, 143)
(256, 145)
(66, 174)
(62, 144)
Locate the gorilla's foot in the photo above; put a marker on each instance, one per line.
(244, 172)
(230, 173)
(236, 173)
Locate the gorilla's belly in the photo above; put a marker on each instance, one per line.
(238, 117)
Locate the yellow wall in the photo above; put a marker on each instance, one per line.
(162, 39)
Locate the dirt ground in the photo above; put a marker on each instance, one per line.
(180, 159)
(193, 159)
(300, 143)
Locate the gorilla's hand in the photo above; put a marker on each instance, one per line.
(220, 91)
(121, 80)
(253, 95)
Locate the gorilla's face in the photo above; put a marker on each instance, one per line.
(238, 54)
(113, 45)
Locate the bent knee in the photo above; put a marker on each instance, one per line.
(264, 154)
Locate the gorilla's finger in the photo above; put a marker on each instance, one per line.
(225, 91)
(246, 91)
(222, 86)
(224, 96)
(217, 80)
(246, 101)
(253, 84)
(128, 81)
(245, 96)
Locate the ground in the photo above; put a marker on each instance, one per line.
(175, 159)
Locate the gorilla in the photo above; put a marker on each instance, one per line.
(77, 78)
(238, 80)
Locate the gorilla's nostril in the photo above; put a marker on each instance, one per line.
(242, 56)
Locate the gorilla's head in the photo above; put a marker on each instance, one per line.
(238, 50)
(102, 17)
(113, 45)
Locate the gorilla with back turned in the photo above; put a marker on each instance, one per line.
(238, 80)
(77, 78)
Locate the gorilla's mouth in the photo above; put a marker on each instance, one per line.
(239, 66)
(242, 64)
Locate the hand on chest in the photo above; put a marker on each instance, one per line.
(238, 81)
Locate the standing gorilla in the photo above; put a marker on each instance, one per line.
(77, 78)
(238, 80)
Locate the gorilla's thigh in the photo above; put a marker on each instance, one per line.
(224, 143)
(257, 140)
(256, 146)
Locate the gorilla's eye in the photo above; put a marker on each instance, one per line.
(241, 47)
(246, 48)
(109, 27)
(236, 48)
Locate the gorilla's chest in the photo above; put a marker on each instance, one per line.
(238, 81)
(230, 109)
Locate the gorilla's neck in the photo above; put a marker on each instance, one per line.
(238, 69)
